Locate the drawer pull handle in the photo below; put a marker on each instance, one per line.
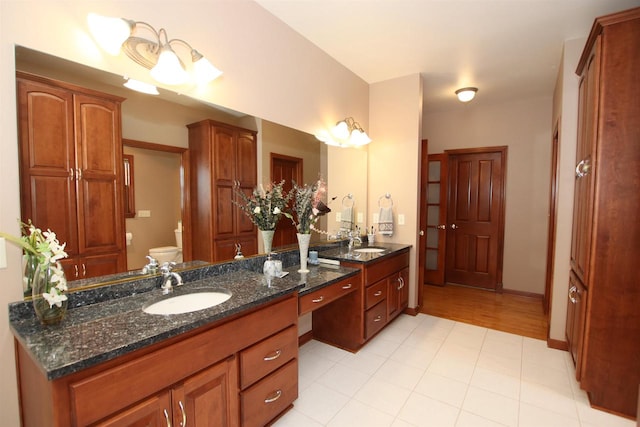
(347, 286)
(166, 416)
(377, 294)
(317, 300)
(184, 414)
(275, 355)
(378, 318)
(275, 396)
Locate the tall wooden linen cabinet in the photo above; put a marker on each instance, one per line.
(603, 316)
(70, 147)
(222, 156)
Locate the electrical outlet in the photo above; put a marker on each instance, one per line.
(400, 219)
(144, 214)
(360, 217)
(338, 216)
(3, 253)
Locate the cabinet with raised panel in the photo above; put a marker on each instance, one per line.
(222, 157)
(71, 171)
(603, 322)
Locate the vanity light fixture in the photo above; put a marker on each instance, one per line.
(466, 94)
(346, 133)
(142, 87)
(156, 53)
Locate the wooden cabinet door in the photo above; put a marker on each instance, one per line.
(585, 161)
(47, 160)
(99, 153)
(404, 290)
(152, 412)
(208, 399)
(393, 296)
(576, 317)
(246, 160)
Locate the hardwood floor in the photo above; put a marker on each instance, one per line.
(504, 312)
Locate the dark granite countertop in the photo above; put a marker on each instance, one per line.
(100, 330)
(342, 253)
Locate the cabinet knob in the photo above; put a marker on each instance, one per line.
(441, 227)
(572, 293)
(583, 168)
(454, 227)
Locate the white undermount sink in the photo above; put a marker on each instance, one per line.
(188, 303)
(369, 250)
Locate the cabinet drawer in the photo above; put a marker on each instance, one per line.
(323, 296)
(267, 398)
(376, 293)
(375, 319)
(265, 357)
(386, 266)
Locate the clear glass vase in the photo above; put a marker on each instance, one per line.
(30, 263)
(42, 282)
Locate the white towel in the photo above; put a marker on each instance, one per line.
(385, 221)
(346, 219)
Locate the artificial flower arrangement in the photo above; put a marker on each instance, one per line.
(264, 207)
(47, 251)
(308, 206)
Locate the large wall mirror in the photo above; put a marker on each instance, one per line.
(160, 122)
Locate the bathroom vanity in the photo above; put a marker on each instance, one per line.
(381, 295)
(109, 363)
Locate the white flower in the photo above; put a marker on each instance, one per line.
(54, 298)
(276, 210)
(256, 210)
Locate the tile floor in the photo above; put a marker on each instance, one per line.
(429, 371)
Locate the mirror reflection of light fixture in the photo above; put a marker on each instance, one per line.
(466, 94)
(142, 87)
(346, 133)
(157, 53)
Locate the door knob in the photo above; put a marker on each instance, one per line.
(454, 227)
(422, 232)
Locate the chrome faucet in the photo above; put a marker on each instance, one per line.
(354, 238)
(151, 267)
(167, 276)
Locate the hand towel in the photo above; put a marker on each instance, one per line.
(385, 221)
(346, 219)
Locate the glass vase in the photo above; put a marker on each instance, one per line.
(42, 282)
(303, 245)
(30, 263)
(267, 239)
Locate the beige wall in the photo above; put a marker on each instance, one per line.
(565, 117)
(157, 189)
(525, 128)
(396, 118)
(263, 77)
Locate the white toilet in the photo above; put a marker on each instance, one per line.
(169, 253)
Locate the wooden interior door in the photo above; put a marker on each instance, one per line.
(436, 229)
(475, 216)
(551, 234)
(289, 169)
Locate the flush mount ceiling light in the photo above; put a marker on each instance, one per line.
(466, 94)
(346, 133)
(156, 53)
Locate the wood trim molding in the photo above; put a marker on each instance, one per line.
(412, 311)
(305, 338)
(557, 344)
(522, 293)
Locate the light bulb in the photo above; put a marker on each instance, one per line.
(169, 69)
(109, 32)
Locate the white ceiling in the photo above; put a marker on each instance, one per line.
(506, 48)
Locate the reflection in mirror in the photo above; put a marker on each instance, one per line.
(129, 187)
(162, 120)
